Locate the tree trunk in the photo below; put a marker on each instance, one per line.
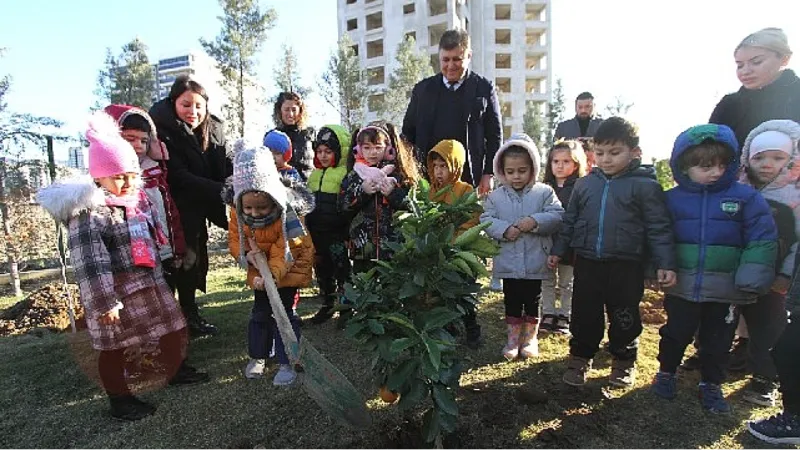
(241, 100)
(13, 264)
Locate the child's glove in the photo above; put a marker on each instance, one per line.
(369, 186)
(388, 185)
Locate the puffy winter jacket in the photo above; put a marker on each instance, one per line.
(325, 184)
(624, 217)
(725, 236)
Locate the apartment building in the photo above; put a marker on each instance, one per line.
(192, 62)
(510, 41)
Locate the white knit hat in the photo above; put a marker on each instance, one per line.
(771, 140)
(254, 171)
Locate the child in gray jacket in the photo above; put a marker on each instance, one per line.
(524, 215)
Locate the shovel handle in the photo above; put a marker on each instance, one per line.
(284, 326)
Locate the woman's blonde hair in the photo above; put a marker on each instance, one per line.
(772, 39)
(577, 154)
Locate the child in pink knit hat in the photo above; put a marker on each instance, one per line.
(113, 242)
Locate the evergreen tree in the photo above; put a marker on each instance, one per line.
(344, 85)
(412, 66)
(244, 31)
(128, 78)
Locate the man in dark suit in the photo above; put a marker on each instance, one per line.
(456, 104)
(584, 124)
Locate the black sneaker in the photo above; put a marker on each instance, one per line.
(187, 374)
(344, 317)
(760, 391)
(783, 428)
(738, 361)
(323, 315)
(548, 322)
(691, 363)
(199, 327)
(130, 408)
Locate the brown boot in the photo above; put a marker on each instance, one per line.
(623, 373)
(576, 371)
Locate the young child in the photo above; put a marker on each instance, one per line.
(771, 159)
(263, 221)
(726, 247)
(138, 129)
(524, 215)
(280, 145)
(381, 174)
(326, 224)
(445, 163)
(784, 427)
(617, 220)
(566, 162)
(114, 251)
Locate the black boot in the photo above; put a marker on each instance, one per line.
(325, 312)
(187, 374)
(128, 407)
(199, 327)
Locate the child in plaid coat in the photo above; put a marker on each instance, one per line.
(114, 248)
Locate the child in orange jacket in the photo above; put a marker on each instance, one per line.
(265, 219)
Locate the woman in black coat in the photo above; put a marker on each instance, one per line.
(290, 115)
(197, 169)
(769, 91)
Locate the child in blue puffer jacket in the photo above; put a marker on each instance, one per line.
(726, 243)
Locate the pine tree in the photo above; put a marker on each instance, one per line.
(533, 123)
(128, 78)
(555, 111)
(287, 73)
(244, 31)
(344, 85)
(664, 173)
(412, 66)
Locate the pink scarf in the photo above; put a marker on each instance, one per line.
(139, 225)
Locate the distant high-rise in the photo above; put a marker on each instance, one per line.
(510, 43)
(193, 62)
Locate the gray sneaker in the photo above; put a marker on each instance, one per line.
(255, 368)
(285, 376)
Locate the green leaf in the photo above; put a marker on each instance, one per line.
(354, 328)
(400, 320)
(451, 276)
(375, 327)
(401, 344)
(409, 289)
(434, 354)
(445, 399)
(416, 392)
(419, 278)
(401, 374)
(430, 372)
(430, 425)
(447, 422)
(438, 317)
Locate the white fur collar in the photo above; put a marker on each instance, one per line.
(68, 198)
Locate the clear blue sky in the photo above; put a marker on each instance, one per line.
(672, 59)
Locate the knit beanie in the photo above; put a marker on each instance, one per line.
(279, 142)
(773, 39)
(771, 140)
(254, 171)
(109, 153)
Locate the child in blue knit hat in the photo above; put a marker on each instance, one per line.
(280, 145)
(726, 243)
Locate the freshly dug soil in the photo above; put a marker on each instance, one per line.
(652, 308)
(45, 308)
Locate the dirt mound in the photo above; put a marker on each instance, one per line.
(45, 308)
(652, 308)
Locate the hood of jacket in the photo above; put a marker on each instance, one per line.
(342, 137)
(454, 155)
(68, 198)
(121, 112)
(791, 172)
(518, 140)
(695, 136)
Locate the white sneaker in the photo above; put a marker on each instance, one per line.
(255, 368)
(285, 376)
(496, 284)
